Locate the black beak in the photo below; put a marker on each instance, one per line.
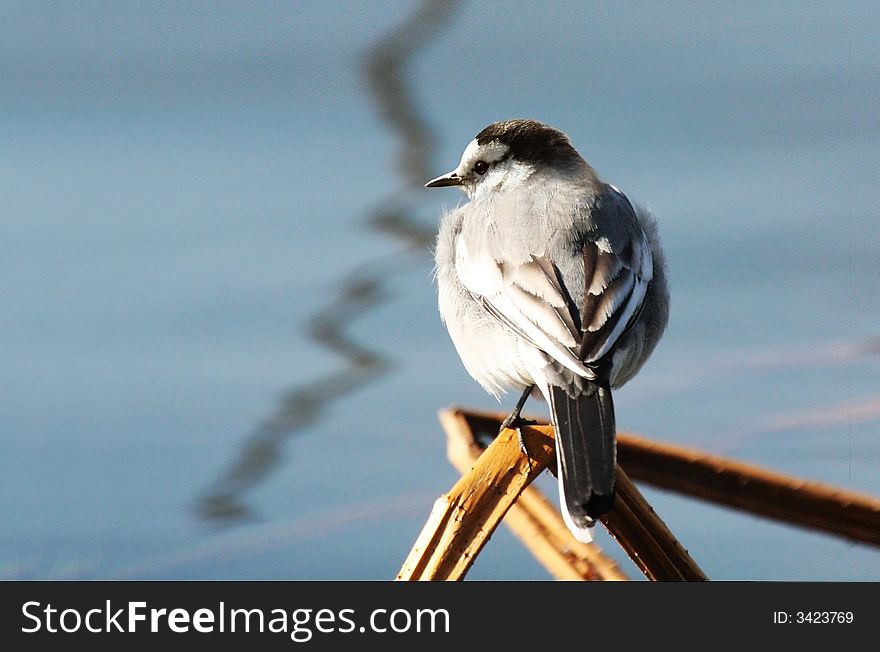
(451, 179)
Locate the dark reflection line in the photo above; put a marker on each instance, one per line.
(363, 289)
(385, 70)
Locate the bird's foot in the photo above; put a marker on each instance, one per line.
(515, 422)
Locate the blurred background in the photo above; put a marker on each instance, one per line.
(221, 354)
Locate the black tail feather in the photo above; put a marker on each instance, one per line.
(587, 451)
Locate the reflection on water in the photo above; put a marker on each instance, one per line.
(363, 289)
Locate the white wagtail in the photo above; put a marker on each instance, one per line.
(549, 278)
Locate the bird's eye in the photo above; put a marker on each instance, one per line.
(480, 167)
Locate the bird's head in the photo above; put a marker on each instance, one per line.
(507, 153)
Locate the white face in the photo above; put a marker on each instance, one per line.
(490, 153)
(486, 167)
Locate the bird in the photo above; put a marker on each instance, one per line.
(552, 283)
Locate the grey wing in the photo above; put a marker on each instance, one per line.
(531, 297)
(528, 298)
(618, 266)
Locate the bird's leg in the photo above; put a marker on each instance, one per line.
(515, 422)
(514, 417)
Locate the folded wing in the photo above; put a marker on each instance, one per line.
(531, 298)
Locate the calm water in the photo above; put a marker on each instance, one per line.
(221, 356)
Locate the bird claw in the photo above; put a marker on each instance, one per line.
(516, 423)
(522, 447)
